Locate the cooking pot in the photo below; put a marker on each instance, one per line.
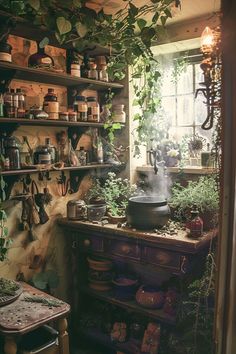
(144, 212)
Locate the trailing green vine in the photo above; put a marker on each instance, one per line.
(127, 32)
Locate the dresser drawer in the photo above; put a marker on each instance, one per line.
(90, 243)
(124, 249)
(163, 258)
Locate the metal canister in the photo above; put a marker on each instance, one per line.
(76, 209)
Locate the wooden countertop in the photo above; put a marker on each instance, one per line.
(179, 241)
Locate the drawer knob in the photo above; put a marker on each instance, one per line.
(87, 242)
(126, 249)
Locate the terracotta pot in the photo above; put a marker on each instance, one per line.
(150, 297)
(116, 219)
(99, 264)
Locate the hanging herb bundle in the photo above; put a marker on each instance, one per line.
(127, 32)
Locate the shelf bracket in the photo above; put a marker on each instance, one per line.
(76, 178)
(75, 133)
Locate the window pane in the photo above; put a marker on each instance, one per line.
(200, 109)
(199, 77)
(168, 86)
(177, 133)
(207, 134)
(169, 107)
(185, 81)
(185, 110)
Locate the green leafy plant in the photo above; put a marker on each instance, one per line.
(194, 329)
(115, 191)
(127, 33)
(202, 193)
(179, 67)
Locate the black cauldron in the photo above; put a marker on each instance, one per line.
(144, 212)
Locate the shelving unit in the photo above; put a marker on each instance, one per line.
(13, 71)
(159, 315)
(49, 123)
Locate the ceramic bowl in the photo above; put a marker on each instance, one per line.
(125, 287)
(150, 297)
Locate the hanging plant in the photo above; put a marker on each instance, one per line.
(127, 32)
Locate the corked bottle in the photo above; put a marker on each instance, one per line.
(196, 224)
(51, 105)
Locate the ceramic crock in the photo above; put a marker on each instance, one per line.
(144, 212)
(150, 297)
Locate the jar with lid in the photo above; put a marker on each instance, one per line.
(12, 153)
(75, 69)
(51, 149)
(36, 112)
(81, 107)
(72, 116)
(93, 109)
(9, 104)
(103, 74)
(51, 105)
(21, 103)
(119, 115)
(42, 155)
(5, 52)
(64, 116)
(93, 73)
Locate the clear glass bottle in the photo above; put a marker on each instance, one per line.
(8, 103)
(119, 115)
(21, 103)
(72, 158)
(12, 152)
(81, 107)
(52, 150)
(100, 157)
(1, 106)
(42, 155)
(93, 73)
(82, 156)
(51, 105)
(105, 114)
(93, 109)
(103, 74)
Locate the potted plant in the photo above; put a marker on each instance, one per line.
(202, 193)
(116, 192)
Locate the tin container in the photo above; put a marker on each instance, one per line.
(76, 210)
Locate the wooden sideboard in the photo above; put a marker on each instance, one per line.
(155, 257)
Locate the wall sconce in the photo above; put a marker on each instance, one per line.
(207, 41)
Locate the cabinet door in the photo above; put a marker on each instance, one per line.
(125, 249)
(167, 259)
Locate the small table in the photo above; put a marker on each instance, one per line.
(21, 317)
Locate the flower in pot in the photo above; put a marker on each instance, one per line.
(202, 193)
(116, 192)
(172, 157)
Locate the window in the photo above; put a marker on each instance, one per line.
(184, 112)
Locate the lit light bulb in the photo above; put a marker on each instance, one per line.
(207, 40)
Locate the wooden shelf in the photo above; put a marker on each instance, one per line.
(52, 123)
(131, 346)
(159, 315)
(34, 170)
(54, 78)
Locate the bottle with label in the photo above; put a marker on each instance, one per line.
(93, 109)
(119, 115)
(82, 156)
(51, 105)
(42, 155)
(8, 103)
(103, 74)
(100, 157)
(196, 224)
(40, 59)
(81, 107)
(93, 73)
(21, 103)
(52, 150)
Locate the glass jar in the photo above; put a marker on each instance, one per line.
(93, 109)
(93, 73)
(196, 224)
(8, 103)
(105, 114)
(82, 156)
(75, 69)
(81, 107)
(64, 116)
(40, 59)
(5, 52)
(119, 115)
(42, 155)
(103, 74)
(51, 149)
(12, 153)
(51, 105)
(21, 103)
